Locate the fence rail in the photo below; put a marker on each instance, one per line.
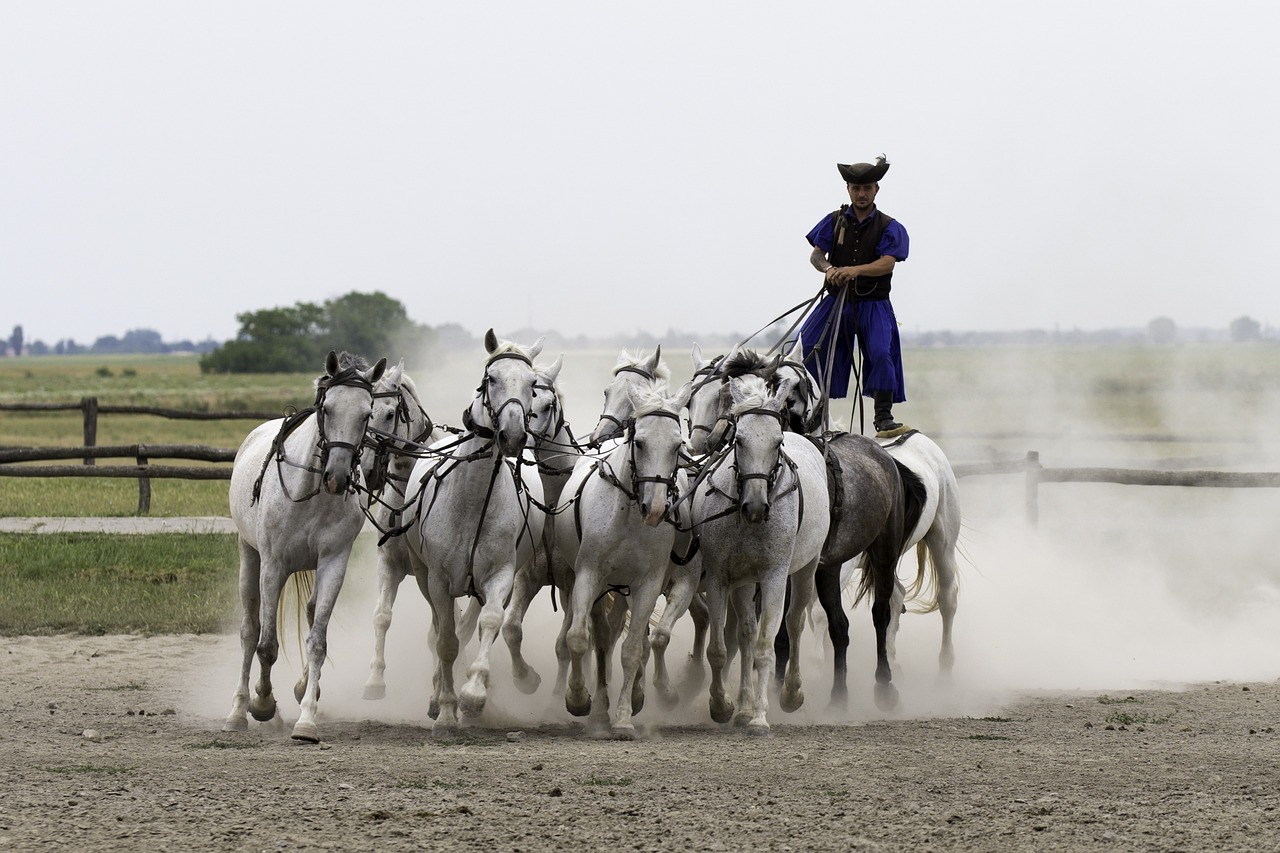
(1035, 474)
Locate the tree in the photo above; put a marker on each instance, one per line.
(15, 341)
(295, 340)
(1162, 330)
(1244, 329)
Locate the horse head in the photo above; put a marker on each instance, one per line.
(505, 396)
(804, 403)
(758, 420)
(397, 423)
(654, 440)
(344, 401)
(630, 370)
(546, 416)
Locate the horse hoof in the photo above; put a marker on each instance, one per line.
(637, 701)
(741, 720)
(236, 723)
(306, 731)
(444, 731)
(471, 703)
(758, 728)
(624, 732)
(433, 710)
(721, 712)
(300, 689)
(578, 705)
(375, 691)
(263, 710)
(791, 702)
(886, 697)
(528, 683)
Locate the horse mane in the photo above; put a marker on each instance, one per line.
(347, 363)
(755, 393)
(651, 398)
(628, 358)
(745, 362)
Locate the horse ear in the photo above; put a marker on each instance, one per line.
(784, 391)
(378, 369)
(331, 363)
(490, 341)
(681, 399)
(537, 347)
(553, 370)
(797, 351)
(652, 363)
(698, 361)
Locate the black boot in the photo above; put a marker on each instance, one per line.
(884, 421)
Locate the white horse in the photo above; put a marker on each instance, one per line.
(476, 521)
(618, 539)
(398, 427)
(631, 372)
(293, 503)
(762, 516)
(934, 535)
(555, 453)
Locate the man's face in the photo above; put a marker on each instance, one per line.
(862, 196)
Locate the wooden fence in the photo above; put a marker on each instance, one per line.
(142, 454)
(1035, 474)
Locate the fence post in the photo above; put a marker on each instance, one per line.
(89, 405)
(1033, 487)
(144, 484)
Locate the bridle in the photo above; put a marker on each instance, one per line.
(349, 377)
(810, 394)
(383, 442)
(494, 413)
(626, 368)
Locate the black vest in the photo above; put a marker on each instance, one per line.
(855, 243)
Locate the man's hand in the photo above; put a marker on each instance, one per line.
(836, 278)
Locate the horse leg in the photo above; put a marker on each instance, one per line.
(606, 624)
(577, 700)
(695, 672)
(328, 583)
(263, 704)
(250, 630)
(391, 572)
(295, 583)
(883, 579)
(717, 654)
(782, 641)
(562, 643)
(827, 585)
(773, 595)
(444, 697)
(743, 600)
(642, 601)
(526, 587)
(496, 592)
(946, 573)
(802, 586)
(679, 598)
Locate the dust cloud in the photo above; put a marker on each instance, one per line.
(1115, 588)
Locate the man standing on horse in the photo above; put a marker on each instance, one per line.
(856, 249)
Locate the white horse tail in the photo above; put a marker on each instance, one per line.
(926, 582)
(294, 597)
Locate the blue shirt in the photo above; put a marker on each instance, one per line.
(893, 241)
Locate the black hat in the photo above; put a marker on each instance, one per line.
(864, 173)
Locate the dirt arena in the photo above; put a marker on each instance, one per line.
(1109, 692)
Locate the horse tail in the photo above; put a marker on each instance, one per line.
(926, 581)
(294, 599)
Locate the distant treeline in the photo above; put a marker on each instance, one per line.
(295, 338)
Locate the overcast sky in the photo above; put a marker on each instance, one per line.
(600, 167)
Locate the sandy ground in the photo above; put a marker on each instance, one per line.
(115, 743)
